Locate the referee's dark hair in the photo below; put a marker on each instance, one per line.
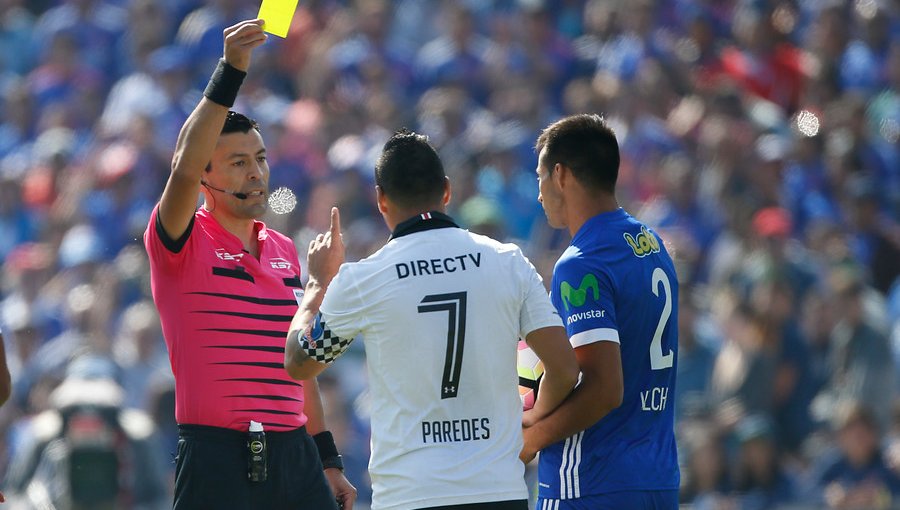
(238, 123)
(409, 171)
(587, 146)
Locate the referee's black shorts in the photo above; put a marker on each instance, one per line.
(211, 472)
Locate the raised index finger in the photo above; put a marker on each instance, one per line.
(335, 223)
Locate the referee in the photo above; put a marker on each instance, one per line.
(441, 311)
(226, 286)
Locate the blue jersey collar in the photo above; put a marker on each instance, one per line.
(604, 218)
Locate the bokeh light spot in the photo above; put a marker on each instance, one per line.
(282, 200)
(808, 123)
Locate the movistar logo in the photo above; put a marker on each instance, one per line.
(577, 297)
(644, 244)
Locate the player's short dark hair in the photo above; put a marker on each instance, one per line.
(587, 146)
(409, 171)
(238, 123)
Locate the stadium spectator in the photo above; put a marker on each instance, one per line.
(696, 359)
(5, 383)
(5, 378)
(706, 476)
(773, 300)
(88, 450)
(857, 476)
(760, 480)
(861, 367)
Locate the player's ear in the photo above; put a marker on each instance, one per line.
(559, 174)
(448, 192)
(381, 199)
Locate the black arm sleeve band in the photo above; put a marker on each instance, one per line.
(224, 84)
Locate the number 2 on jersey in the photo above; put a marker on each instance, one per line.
(658, 361)
(455, 306)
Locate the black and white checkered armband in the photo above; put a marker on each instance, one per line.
(319, 344)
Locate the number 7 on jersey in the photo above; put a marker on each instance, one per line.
(455, 306)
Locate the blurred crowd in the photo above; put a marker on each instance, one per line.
(758, 137)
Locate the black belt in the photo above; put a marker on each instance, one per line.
(223, 435)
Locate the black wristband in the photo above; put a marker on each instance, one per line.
(224, 84)
(335, 462)
(328, 452)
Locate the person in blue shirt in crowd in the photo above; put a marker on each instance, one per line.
(858, 474)
(611, 444)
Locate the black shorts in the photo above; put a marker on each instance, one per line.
(496, 505)
(211, 472)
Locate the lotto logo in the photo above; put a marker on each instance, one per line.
(644, 244)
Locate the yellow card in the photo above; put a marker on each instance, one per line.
(277, 15)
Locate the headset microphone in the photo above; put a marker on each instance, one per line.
(236, 194)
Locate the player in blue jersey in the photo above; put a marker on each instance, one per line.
(611, 444)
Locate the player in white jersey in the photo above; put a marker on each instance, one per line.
(440, 310)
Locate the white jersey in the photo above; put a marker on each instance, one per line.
(440, 311)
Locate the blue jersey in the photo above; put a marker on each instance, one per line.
(616, 282)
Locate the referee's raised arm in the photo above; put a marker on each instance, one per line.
(200, 133)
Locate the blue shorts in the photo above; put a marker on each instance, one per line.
(631, 500)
